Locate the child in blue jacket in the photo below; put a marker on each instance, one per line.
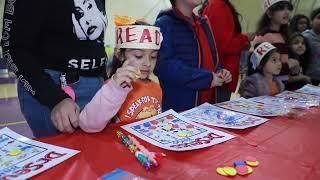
(188, 62)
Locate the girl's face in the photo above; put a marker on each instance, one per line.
(281, 17)
(316, 24)
(145, 59)
(192, 3)
(279, 13)
(273, 65)
(302, 24)
(298, 45)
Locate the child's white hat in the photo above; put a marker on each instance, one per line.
(268, 3)
(138, 37)
(259, 52)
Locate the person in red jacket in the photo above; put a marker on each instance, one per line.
(226, 28)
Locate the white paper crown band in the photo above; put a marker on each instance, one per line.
(268, 3)
(258, 53)
(138, 37)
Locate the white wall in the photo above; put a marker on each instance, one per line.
(250, 10)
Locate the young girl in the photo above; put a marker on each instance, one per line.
(267, 64)
(273, 28)
(188, 60)
(224, 19)
(129, 94)
(299, 23)
(299, 49)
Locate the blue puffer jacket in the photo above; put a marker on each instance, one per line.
(179, 66)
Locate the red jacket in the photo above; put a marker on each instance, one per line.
(229, 43)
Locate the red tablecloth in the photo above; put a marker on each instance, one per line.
(287, 149)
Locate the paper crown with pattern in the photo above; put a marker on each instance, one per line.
(259, 52)
(268, 3)
(129, 35)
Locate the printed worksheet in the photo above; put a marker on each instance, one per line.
(22, 158)
(171, 131)
(215, 116)
(309, 89)
(300, 99)
(254, 108)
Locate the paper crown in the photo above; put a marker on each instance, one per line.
(133, 36)
(259, 52)
(268, 3)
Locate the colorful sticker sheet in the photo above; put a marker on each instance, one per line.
(300, 99)
(171, 131)
(22, 158)
(254, 108)
(215, 116)
(309, 89)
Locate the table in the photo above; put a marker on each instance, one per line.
(287, 148)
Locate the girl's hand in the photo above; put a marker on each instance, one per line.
(294, 66)
(225, 75)
(126, 74)
(217, 80)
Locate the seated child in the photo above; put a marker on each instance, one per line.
(266, 63)
(129, 95)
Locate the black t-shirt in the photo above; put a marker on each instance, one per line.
(56, 34)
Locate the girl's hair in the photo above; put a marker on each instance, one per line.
(265, 22)
(263, 62)
(303, 59)
(117, 62)
(314, 13)
(236, 15)
(294, 22)
(173, 2)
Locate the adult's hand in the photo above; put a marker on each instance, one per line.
(65, 115)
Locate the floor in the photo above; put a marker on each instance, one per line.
(10, 113)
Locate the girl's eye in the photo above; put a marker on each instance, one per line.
(139, 57)
(89, 6)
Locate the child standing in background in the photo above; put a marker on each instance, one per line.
(129, 95)
(313, 37)
(267, 64)
(299, 23)
(188, 60)
(299, 49)
(273, 28)
(224, 19)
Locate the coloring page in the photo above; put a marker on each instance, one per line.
(215, 116)
(299, 99)
(22, 158)
(254, 108)
(171, 131)
(309, 89)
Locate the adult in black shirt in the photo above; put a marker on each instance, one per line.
(43, 40)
